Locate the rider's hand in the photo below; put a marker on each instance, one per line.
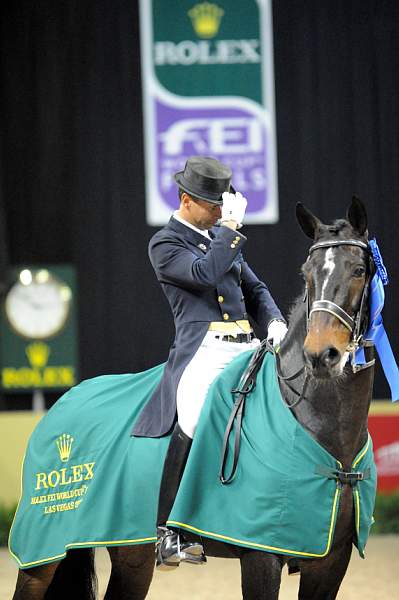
(233, 208)
(276, 332)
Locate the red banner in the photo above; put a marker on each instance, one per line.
(384, 429)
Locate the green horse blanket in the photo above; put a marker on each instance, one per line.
(86, 482)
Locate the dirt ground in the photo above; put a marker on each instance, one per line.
(375, 578)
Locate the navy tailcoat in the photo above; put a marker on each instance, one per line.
(204, 280)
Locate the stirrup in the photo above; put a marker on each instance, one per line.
(172, 549)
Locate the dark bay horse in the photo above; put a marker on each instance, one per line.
(328, 397)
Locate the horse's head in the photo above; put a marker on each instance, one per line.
(337, 273)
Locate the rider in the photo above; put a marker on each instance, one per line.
(211, 291)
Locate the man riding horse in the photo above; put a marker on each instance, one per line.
(303, 491)
(212, 291)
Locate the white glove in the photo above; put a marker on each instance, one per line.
(276, 332)
(233, 208)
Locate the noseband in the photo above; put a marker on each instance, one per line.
(354, 324)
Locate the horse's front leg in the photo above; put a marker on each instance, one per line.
(32, 584)
(131, 573)
(321, 579)
(260, 575)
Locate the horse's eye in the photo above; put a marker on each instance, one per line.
(359, 272)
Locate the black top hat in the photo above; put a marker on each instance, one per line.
(205, 178)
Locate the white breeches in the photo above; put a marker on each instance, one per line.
(207, 363)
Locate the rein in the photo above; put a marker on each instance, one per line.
(301, 395)
(245, 386)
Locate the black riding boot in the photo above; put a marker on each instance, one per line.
(172, 548)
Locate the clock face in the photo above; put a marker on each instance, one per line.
(38, 304)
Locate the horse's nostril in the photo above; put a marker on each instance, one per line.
(327, 358)
(312, 359)
(330, 357)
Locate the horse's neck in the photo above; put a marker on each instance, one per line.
(335, 411)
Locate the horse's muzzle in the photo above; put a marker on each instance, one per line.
(323, 364)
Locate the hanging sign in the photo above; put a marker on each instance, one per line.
(208, 89)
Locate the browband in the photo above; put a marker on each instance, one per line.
(328, 244)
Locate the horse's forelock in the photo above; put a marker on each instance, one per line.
(340, 229)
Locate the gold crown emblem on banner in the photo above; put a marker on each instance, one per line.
(64, 445)
(206, 19)
(38, 354)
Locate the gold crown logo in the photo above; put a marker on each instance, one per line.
(38, 354)
(206, 19)
(64, 445)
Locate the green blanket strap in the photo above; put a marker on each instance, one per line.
(344, 477)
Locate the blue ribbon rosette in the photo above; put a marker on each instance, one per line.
(376, 332)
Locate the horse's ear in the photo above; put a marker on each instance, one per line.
(308, 222)
(357, 216)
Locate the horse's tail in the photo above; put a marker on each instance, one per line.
(75, 577)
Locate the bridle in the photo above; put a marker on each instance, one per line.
(357, 324)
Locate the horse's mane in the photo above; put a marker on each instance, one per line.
(296, 308)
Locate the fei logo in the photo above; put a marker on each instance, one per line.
(208, 89)
(237, 135)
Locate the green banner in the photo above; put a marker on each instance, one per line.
(38, 329)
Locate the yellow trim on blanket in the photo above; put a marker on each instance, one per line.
(357, 511)
(356, 493)
(82, 545)
(218, 536)
(19, 501)
(362, 452)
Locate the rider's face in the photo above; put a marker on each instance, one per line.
(200, 213)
